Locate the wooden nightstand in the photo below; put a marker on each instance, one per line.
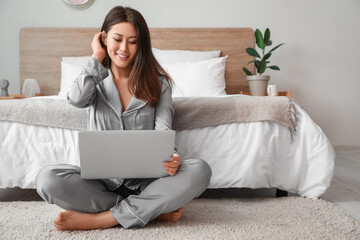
(13, 96)
(284, 93)
(16, 96)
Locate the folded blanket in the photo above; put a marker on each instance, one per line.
(190, 112)
(44, 112)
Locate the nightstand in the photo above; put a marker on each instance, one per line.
(16, 96)
(13, 96)
(284, 93)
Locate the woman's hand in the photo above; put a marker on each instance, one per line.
(98, 51)
(173, 165)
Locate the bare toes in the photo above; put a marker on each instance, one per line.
(176, 217)
(58, 226)
(59, 218)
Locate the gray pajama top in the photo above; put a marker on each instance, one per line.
(95, 88)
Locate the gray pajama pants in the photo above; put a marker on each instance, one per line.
(62, 185)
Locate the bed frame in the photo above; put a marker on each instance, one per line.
(41, 50)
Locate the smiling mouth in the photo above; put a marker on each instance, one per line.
(122, 56)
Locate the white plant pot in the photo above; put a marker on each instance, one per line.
(258, 84)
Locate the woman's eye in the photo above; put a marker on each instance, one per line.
(118, 40)
(134, 42)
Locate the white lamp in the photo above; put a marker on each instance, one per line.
(30, 87)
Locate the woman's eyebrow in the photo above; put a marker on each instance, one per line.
(123, 36)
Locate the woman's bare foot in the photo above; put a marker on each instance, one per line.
(171, 216)
(71, 220)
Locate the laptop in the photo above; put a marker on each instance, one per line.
(125, 154)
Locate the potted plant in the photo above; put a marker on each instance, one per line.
(258, 82)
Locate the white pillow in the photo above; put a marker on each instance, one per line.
(177, 56)
(78, 61)
(198, 79)
(163, 56)
(69, 73)
(207, 75)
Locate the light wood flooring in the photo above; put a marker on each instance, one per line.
(344, 191)
(345, 188)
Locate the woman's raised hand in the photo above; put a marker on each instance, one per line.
(98, 51)
(173, 165)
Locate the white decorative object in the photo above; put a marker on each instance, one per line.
(272, 90)
(30, 87)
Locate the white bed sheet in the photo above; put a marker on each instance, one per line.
(261, 155)
(253, 155)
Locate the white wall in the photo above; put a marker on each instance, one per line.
(319, 62)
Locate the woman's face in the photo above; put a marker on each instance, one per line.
(121, 45)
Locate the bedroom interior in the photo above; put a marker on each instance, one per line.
(38, 48)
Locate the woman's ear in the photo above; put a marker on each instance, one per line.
(103, 40)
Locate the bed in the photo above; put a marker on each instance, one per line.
(287, 151)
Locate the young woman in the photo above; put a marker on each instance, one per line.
(124, 88)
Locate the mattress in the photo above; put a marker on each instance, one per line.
(253, 155)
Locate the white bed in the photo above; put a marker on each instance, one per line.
(252, 155)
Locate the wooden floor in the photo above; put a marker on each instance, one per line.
(344, 191)
(345, 188)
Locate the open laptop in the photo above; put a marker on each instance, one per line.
(125, 154)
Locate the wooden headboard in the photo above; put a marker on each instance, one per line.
(41, 50)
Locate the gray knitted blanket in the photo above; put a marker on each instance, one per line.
(189, 112)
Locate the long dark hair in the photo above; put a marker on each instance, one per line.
(145, 72)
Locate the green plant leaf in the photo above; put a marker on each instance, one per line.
(276, 47)
(267, 36)
(257, 64)
(269, 43)
(266, 56)
(274, 67)
(254, 61)
(259, 39)
(252, 52)
(262, 66)
(247, 71)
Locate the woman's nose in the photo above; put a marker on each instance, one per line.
(123, 46)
